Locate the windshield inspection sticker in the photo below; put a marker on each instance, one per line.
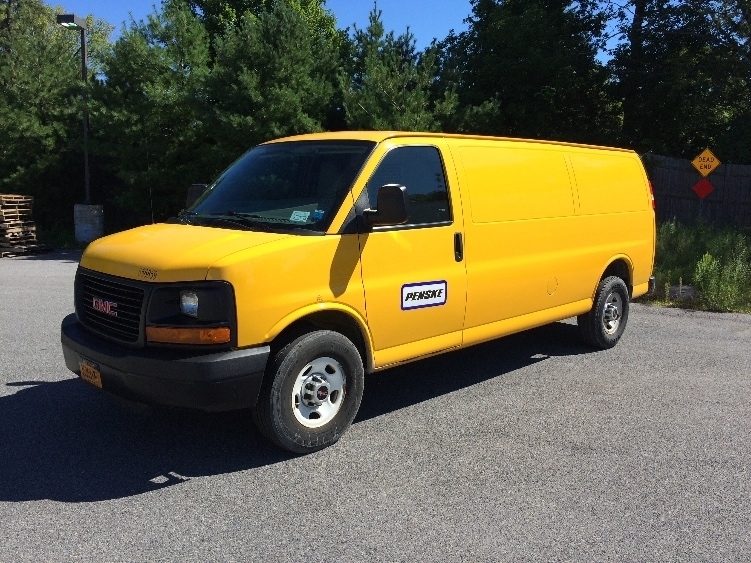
(300, 216)
(426, 294)
(318, 214)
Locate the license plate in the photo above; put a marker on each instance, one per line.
(90, 372)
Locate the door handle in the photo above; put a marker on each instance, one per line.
(458, 247)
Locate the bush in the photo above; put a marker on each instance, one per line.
(716, 260)
(724, 287)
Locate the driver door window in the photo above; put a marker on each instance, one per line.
(420, 170)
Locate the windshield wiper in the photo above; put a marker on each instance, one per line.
(206, 220)
(247, 220)
(255, 217)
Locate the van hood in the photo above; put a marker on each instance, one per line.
(169, 252)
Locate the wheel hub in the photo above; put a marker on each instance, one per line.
(318, 392)
(314, 391)
(611, 314)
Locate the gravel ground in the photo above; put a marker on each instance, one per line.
(529, 448)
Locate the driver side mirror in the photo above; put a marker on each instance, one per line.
(392, 207)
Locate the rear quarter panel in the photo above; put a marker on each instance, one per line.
(544, 221)
(616, 215)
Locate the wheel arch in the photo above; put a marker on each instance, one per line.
(622, 267)
(338, 318)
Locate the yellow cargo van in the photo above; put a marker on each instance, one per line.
(313, 260)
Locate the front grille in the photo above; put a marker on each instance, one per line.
(125, 326)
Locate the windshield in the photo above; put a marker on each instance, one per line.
(284, 186)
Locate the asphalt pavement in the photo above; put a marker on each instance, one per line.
(529, 448)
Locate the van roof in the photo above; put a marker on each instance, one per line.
(378, 136)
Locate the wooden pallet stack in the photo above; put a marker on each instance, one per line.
(17, 229)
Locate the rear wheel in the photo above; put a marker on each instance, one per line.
(603, 326)
(311, 392)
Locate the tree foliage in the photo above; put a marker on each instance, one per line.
(40, 88)
(272, 76)
(149, 112)
(529, 68)
(733, 24)
(173, 114)
(387, 84)
(180, 95)
(679, 73)
(221, 15)
(41, 103)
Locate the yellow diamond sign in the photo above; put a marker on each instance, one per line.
(706, 162)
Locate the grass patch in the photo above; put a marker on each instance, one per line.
(715, 260)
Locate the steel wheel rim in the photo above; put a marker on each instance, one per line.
(612, 313)
(318, 392)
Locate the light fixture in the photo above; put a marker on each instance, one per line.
(71, 21)
(189, 303)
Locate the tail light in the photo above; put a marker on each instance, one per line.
(652, 195)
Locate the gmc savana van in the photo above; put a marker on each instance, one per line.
(313, 260)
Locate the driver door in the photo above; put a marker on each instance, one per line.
(414, 275)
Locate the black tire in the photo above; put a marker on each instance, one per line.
(603, 326)
(326, 362)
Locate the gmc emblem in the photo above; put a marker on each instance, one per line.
(106, 307)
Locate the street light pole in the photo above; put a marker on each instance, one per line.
(84, 76)
(71, 21)
(88, 219)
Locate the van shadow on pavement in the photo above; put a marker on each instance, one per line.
(423, 380)
(65, 441)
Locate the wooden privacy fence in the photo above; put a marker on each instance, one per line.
(672, 179)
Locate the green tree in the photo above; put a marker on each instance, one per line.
(734, 30)
(529, 68)
(220, 15)
(272, 77)
(41, 106)
(150, 111)
(387, 84)
(681, 76)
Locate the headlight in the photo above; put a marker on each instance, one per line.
(192, 313)
(189, 303)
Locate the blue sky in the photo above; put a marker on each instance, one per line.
(426, 18)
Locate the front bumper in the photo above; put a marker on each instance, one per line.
(216, 381)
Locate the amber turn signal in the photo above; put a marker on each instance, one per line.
(175, 335)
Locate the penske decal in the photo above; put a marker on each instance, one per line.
(426, 294)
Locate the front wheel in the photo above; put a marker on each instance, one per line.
(311, 392)
(603, 326)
